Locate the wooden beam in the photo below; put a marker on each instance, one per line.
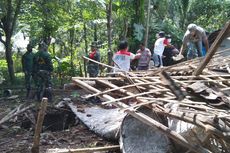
(85, 150)
(223, 33)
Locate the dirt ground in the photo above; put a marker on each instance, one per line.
(17, 137)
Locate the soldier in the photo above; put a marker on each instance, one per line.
(42, 68)
(27, 67)
(93, 68)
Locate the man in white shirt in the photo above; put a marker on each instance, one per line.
(159, 47)
(123, 57)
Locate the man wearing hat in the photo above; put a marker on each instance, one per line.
(93, 68)
(193, 38)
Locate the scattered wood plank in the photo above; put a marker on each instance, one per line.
(14, 113)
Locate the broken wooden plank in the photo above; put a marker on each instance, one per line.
(168, 81)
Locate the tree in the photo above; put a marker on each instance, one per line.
(10, 11)
(109, 31)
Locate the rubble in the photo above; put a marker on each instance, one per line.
(200, 92)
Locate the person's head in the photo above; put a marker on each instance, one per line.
(93, 45)
(161, 34)
(42, 46)
(169, 38)
(123, 45)
(192, 28)
(29, 48)
(142, 46)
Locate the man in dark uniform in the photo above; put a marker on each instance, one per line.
(42, 68)
(27, 67)
(93, 68)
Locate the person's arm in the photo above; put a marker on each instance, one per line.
(182, 49)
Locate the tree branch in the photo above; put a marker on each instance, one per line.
(19, 2)
(2, 41)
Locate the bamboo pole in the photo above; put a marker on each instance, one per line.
(38, 128)
(118, 88)
(85, 150)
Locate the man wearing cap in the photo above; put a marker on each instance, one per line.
(159, 47)
(193, 38)
(93, 68)
(42, 68)
(27, 67)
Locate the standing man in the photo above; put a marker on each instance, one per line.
(93, 68)
(159, 47)
(123, 57)
(143, 55)
(42, 68)
(169, 52)
(27, 67)
(193, 38)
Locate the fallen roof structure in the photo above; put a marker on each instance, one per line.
(200, 89)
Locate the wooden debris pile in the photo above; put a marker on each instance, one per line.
(199, 88)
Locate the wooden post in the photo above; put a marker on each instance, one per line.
(223, 33)
(38, 128)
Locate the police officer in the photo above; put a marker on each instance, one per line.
(27, 67)
(42, 68)
(93, 68)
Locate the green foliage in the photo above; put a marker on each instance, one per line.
(138, 31)
(211, 14)
(3, 68)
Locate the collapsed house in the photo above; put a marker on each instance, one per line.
(181, 108)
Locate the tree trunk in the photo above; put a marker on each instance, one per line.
(8, 25)
(109, 29)
(72, 51)
(86, 48)
(147, 25)
(9, 60)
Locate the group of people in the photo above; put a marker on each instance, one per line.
(37, 68)
(194, 44)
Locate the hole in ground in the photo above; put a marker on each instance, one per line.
(54, 120)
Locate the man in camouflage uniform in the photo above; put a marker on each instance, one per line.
(93, 68)
(42, 68)
(27, 67)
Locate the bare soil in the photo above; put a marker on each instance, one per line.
(15, 138)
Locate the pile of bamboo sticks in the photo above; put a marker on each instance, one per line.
(200, 88)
